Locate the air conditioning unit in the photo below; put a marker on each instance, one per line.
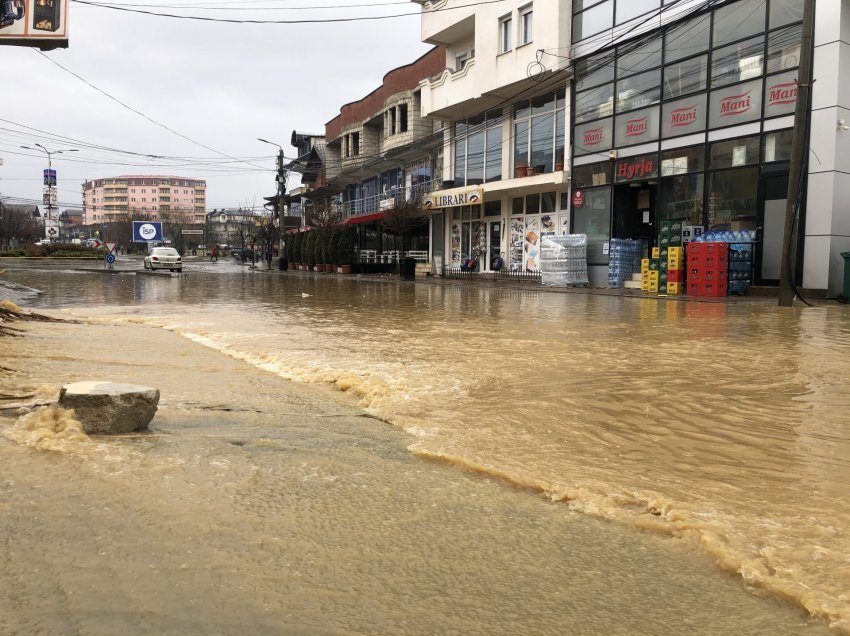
(791, 57)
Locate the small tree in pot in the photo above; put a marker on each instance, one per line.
(311, 248)
(345, 250)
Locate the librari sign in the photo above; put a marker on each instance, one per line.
(453, 198)
(40, 24)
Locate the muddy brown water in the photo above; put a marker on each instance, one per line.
(542, 463)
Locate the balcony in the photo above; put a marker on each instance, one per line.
(444, 27)
(386, 201)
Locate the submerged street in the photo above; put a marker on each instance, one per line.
(336, 456)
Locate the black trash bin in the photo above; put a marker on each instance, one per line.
(282, 264)
(408, 268)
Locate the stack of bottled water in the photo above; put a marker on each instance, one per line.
(624, 256)
(726, 236)
(563, 260)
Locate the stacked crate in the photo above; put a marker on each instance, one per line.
(650, 272)
(707, 269)
(675, 270)
(670, 236)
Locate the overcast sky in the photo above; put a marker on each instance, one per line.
(221, 85)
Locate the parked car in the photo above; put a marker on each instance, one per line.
(238, 254)
(164, 258)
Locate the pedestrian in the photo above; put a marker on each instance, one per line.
(214, 253)
(269, 258)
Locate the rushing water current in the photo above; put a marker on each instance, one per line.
(615, 465)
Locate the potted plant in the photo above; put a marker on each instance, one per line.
(332, 255)
(559, 163)
(520, 169)
(319, 252)
(302, 249)
(344, 251)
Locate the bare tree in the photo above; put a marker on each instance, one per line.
(17, 223)
(400, 218)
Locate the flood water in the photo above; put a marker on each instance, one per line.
(543, 462)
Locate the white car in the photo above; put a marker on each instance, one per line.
(164, 258)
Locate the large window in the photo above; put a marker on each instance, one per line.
(539, 132)
(478, 149)
(593, 218)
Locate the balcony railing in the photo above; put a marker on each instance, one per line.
(388, 200)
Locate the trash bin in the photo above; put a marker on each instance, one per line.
(408, 268)
(282, 264)
(846, 256)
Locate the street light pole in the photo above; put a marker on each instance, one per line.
(48, 181)
(281, 189)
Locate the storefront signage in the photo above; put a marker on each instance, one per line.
(37, 23)
(578, 198)
(736, 104)
(683, 117)
(636, 168)
(593, 137)
(780, 94)
(453, 198)
(637, 127)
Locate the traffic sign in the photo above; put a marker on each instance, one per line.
(110, 246)
(110, 258)
(93, 243)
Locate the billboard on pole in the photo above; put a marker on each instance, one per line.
(145, 231)
(38, 23)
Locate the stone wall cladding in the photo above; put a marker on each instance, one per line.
(399, 80)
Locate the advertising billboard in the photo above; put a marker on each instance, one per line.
(145, 231)
(37, 23)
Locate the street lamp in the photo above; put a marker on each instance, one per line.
(281, 192)
(51, 187)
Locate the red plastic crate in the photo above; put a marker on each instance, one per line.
(702, 275)
(707, 249)
(675, 276)
(713, 289)
(693, 288)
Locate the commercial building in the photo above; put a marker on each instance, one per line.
(149, 197)
(502, 99)
(684, 111)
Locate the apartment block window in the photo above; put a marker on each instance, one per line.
(392, 121)
(461, 59)
(506, 25)
(526, 22)
(478, 149)
(402, 117)
(355, 144)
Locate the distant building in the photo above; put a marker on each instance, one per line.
(71, 223)
(148, 197)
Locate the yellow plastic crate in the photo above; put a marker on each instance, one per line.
(656, 252)
(675, 288)
(652, 287)
(644, 265)
(675, 252)
(675, 263)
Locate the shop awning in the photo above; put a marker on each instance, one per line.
(365, 218)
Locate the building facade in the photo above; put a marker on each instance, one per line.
(686, 113)
(502, 100)
(150, 197)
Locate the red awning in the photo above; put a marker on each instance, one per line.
(365, 218)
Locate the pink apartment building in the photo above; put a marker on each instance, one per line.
(144, 197)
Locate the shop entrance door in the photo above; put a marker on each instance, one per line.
(768, 254)
(438, 240)
(494, 243)
(634, 213)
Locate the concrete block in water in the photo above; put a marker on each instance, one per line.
(108, 408)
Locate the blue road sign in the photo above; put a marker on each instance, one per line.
(110, 258)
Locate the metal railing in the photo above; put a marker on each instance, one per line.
(387, 200)
(456, 272)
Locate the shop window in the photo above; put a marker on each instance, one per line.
(735, 104)
(734, 152)
(681, 198)
(784, 12)
(493, 208)
(732, 199)
(686, 76)
(593, 71)
(738, 62)
(632, 60)
(639, 91)
(547, 202)
(738, 20)
(687, 40)
(594, 174)
(630, 9)
(593, 218)
(594, 103)
(593, 138)
(682, 161)
(783, 49)
(518, 206)
(777, 146)
(594, 20)
(532, 204)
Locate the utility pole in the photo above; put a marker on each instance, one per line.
(280, 177)
(50, 184)
(799, 155)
